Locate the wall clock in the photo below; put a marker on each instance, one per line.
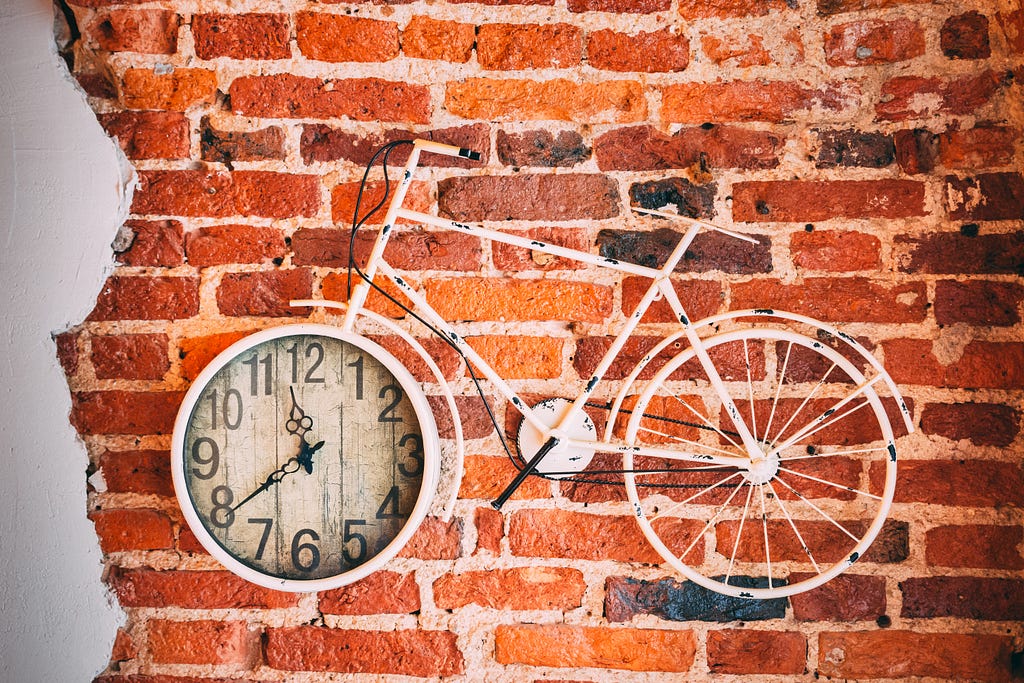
(304, 457)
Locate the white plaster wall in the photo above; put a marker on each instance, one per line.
(61, 191)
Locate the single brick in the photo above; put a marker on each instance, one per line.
(831, 7)
(67, 351)
(345, 195)
(528, 197)
(828, 543)
(138, 413)
(428, 38)
(965, 36)
(873, 41)
(619, 6)
(130, 297)
(405, 652)
(490, 528)
(649, 52)
(332, 37)
(916, 150)
(584, 536)
(435, 540)
(242, 36)
(383, 592)
(854, 148)
(984, 424)
(899, 654)
(645, 148)
(980, 147)
(301, 97)
(958, 483)
(955, 253)
(519, 588)
(626, 597)
(193, 590)
(542, 148)
(847, 299)
(1011, 24)
(515, 299)
(130, 356)
(772, 101)
(986, 197)
(847, 597)
(742, 52)
(743, 651)
(710, 251)
(486, 477)
(981, 364)
(978, 302)
(149, 134)
(919, 97)
(967, 597)
(818, 200)
(975, 546)
(835, 250)
(228, 146)
(558, 99)
(139, 471)
(407, 249)
(126, 529)
(521, 357)
(703, 9)
(228, 643)
(690, 199)
(177, 90)
(529, 46)
(321, 142)
(562, 645)
(222, 244)
(218, 194)
(152, 32)
(265, 293)
(151, 243)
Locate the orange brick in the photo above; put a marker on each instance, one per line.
(145, 31)
(126, 529)
(194, 590)
(873, 41)
(657, 51)
(550, 588)
(340, 38)
(702, 9)
(774, 101)
(382, 592)
(529, 46)
(850, 299)
(835, 250)
(557, 99)
(492, 299)
(520, 357)
(449, 41)
(560, 645)
(487, 476)
(175, 91)
(241, 36)
(229, 643)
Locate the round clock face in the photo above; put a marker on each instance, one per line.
(304, 457)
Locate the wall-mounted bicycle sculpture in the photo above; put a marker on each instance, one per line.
(755, 446)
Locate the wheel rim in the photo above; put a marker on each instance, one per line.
(791, 521)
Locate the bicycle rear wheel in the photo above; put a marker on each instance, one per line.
(800, 512)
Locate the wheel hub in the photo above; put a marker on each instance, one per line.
(762, 469)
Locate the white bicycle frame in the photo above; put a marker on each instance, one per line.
(660, 287)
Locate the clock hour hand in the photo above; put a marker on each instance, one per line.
(298, 422)
(304, 460)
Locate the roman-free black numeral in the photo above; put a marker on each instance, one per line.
(254, 364)
(388, 414)
(307, 548)
(314, 351)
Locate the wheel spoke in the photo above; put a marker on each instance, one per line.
(690, 442)
(819, 385)
(708, 422)
(739, 534)
(830, 483)
(819, 455)
(778, 391)
(709, 524)
(764, 526)
(818, 510)
(750, 391)
(792, 524)
(692, 498)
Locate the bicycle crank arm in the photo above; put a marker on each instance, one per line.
(529, 469)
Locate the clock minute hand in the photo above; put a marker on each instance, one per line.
(290, 467)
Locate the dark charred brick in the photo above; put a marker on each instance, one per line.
(542, 148)
(854, 148)
(229, 146)
(965, 36)
(708, 251)
(695, 201)
(668, 599)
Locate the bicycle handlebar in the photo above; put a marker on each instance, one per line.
(447, 150)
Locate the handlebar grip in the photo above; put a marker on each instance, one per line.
(447, 150)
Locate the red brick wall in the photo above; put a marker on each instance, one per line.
(872, 146)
